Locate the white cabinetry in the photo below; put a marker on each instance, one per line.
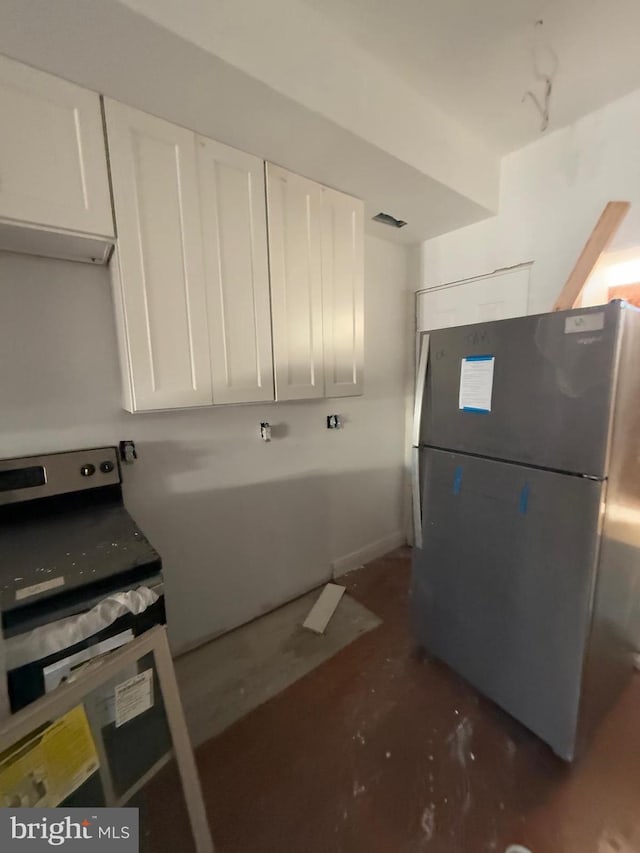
(198, 293)
(228, 288)
(295, 253)
(342, 293)
(317, 287)
(234, 230)
(54, 188)
(191, 272)
(158, 274)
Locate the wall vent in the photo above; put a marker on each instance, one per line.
(389, 220)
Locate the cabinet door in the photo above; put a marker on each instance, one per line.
(294, 207)
(343, 293)
(53, 164)
(160, 288)
(234, 228)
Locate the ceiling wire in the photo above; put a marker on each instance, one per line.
(547, 77)
(543, 108)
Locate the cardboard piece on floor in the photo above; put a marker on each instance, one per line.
(324, 608)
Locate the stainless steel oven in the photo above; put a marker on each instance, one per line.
(78, 578)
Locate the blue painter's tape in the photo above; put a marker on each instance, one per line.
(457, 480)
(478, 358)
(524, 498)
(477, 411)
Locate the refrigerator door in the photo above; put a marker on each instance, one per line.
(541, 395)
(501, 592)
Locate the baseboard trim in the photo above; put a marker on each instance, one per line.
(369, 552)
(338, 567)
(192, 645)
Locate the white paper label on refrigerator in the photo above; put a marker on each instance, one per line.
(584, 323)
(476, 383)
(133, 697)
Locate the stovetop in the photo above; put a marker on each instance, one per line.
(61, 551)
(69, 535)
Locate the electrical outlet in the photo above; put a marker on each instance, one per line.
(265, 431)
(128, 452)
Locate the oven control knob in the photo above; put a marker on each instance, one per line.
(107, 466)
(88, 470)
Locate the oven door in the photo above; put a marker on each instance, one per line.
(39, 660)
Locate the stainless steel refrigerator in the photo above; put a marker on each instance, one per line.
(526, 481)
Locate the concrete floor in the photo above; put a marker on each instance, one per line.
(381, 750)
(223, 680)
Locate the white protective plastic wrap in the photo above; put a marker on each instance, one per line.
(58, 636)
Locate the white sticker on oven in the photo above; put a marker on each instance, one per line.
(476, 383)
(584, 323)
(133, 697)
(34, 589)
(62, 670)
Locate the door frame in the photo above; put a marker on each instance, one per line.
(418, 339)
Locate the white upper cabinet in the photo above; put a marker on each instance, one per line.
(159, 281)
(234, 230)
(226, 285)
(295, 240)
(343, 293)
(53, 166)
(316, 252)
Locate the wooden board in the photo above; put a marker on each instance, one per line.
(601, 236)
(324, 608)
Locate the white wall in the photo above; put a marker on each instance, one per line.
(242, 526)
(305, 100)
(551, 195)
(295, 50)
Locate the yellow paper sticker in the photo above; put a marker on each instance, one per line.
(48, 765)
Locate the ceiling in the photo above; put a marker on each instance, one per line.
(474, 58)
(406, 104)
(156, 70)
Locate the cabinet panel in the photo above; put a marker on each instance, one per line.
(234, 228)
(294, 209)
(343, 293)
(161, 271)
(53, 165)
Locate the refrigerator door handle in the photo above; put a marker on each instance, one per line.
(415, 497)
(421, 379)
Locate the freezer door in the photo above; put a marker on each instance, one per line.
(502, 587)
(547, 400)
